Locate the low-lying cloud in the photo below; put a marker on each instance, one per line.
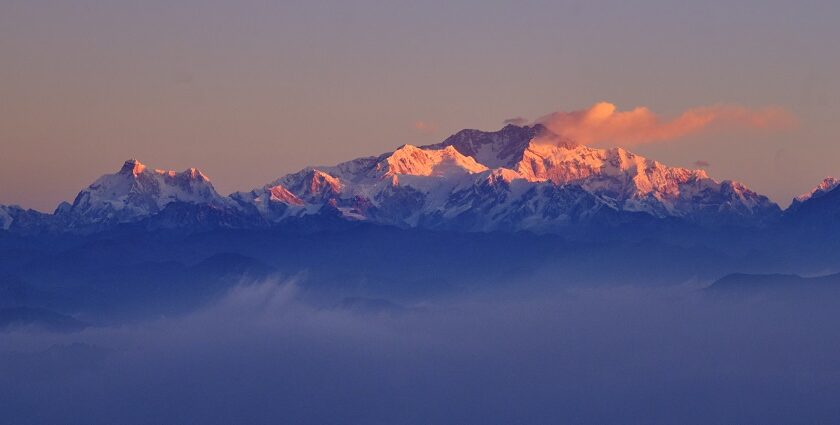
(604, 124)
(265, 355)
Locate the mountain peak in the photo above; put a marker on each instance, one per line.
(132, 166)
(502, 148)
(136, 192)
(517, 178)
(193, 174)
(827, 185)
(411, 160)
(281, 194)
(135, 168)
(524, 173)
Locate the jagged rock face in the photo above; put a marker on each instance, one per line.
(414, 161)
(135, 193)
(6, 217)
(503, 148)
(819, 208)
(517, 178)
(20, 220)
(827, 185)
(620, 178)
(8, 213)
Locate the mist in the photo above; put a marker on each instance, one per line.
(266, 352)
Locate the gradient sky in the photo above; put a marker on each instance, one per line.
(250, 90)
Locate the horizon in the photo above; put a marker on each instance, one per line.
(436, 212)
(252, 91)
(703, 167)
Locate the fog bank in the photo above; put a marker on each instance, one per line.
(610, 355)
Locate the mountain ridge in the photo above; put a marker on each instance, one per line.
(514, 179)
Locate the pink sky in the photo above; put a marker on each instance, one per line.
(248, 91)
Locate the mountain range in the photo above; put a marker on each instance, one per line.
(520, 178)
(477, 210)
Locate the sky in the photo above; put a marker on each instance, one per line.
(248, 91)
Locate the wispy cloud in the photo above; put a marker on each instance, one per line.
(702, 164)
(232, 360)
(516, 121)
(425, 127)
(603, 123)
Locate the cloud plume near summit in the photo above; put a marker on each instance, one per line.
(603, 123)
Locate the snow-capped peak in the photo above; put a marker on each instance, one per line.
(502, 148)
(281, 194)
(517, 178)
(619, 177)
(310, 183)
(136, 192)
(827, 185)
(414, 161)
(539, 155)
(133, 167)
(520, 176)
